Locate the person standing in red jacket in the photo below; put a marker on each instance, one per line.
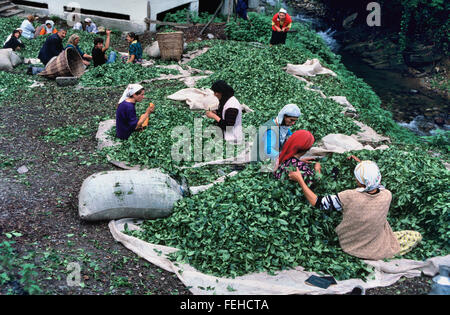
(281, 24)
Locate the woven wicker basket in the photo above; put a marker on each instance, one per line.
(67, 64)
(170, 45)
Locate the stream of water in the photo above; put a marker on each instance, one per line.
(403, 96)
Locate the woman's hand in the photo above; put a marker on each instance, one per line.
(307, 160)
(318, 167)
(212, 115)
(150, 108)
(296, 176)
(354, 158)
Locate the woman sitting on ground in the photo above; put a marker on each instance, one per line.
(291, 156)
(126, 119)
(14, 43)
(48, 28)
(229, 114)
(364, 231)
(28, 27)
(73, 42)
(99, 56)
(276, 132)
(134, 50)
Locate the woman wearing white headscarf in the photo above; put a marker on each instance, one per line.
(276, 131)
(126, 119)
(364, 231)
(90, 26)
(48, 28)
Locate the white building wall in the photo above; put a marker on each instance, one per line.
(136, 9)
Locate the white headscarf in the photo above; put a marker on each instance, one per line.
(49, 30)
(291, 110)
(368, 174)
(282, 10)
(130, 91)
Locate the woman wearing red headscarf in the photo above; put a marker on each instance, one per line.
(290, 157)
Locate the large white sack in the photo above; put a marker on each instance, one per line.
(143, 194)
(197, 98)
(310, 68)
(15, 59)
(5, 60)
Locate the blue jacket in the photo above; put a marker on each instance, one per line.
(241, 9)
(52, 47)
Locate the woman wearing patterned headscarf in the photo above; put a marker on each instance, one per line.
(126, 119)
(364, 231)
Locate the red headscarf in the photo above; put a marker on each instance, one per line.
(301, 140)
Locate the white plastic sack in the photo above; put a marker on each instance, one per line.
(348, 107)
(146, 194)
(197, 98)
(337, 143)
(5, 60)
(310, 68)
(15, 59)
(153, 50)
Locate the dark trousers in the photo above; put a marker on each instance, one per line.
(278, 38)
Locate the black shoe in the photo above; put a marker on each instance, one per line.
(30, 70)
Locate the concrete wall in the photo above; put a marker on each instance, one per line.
(136, 9)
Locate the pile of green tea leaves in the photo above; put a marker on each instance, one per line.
(116, 74)
(185, 16)
(152, 148)
(254, 223)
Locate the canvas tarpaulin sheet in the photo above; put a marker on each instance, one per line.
(282, 283)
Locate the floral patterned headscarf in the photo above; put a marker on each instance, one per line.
(368, 174)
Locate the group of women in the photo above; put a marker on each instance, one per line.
(54, 43)
(28, 31)
(364, 231)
